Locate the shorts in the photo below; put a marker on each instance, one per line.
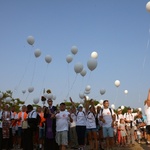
(91, 130)
(108, 132)
(62, 138)
(148, 129)
(19, 131)
(41, 133)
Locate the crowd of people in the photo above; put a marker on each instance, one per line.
(52, 128)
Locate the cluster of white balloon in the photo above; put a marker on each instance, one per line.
(37, 53)
(79, 68)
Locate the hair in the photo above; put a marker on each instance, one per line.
(121, 119)
(105, 101)
(29, 107)
(63, 104)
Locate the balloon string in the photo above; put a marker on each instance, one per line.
(20, 81)
(143, 65)
(116, 96)
(82, 84)
(89, 77)
(26, 97)
(68, 78)
(72, 86)
(33, 73)
(43, 82)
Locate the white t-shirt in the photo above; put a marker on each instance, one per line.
(129, 117)
(90, 121)
(81, 118)
(74, 118)
(147, 113)
(32, 114)
(62, 121)
(107, 116)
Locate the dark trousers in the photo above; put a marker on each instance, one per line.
(50, 144)
(1, 138)
(27, 139)
(7, 142)
(81, 134)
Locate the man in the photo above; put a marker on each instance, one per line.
(147, 113)
(107, 116)
(62, 125)
(22, 116)
(50, 127)
(28, 133)
(41, 127)
(129, 120)
(1, 137)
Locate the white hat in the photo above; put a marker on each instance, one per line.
(80, 105)
(119, 109)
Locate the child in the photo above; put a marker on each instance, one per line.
(122, 132)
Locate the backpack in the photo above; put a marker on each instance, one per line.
(34, 122)
(109, 110)
(38, 119)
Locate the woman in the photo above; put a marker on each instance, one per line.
(91, 125)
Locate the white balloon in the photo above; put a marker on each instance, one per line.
(1, 95)
(54, 97)
(102, 91)
(122, 107)
(87, 92)
(45, 95)
(48, 59)
(148, 6)
(113, 106)
(87, 98)
(8, 99)
(78, 67)
(23, 91)
(15, 101)
(101, 102)
(50, 96)
(92, 64)
(30, 89)
(69, 58)
(140, 109)
(117, 83)
(30, 40)
(74, 50)
(88, 88)
(83, 72)
(126, 91)
(37, 53)
(94, 55)
(36, 100)
(81, 95)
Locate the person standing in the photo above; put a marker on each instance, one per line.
(41, 128)
(62, 125)
(147, 113)
(129, 120)
(22, 117)
(28, 133)
(50, 127)
(107, 116)
(91, 125)
(1, 137)
(6, 119)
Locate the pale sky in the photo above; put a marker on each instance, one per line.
(119, 31)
